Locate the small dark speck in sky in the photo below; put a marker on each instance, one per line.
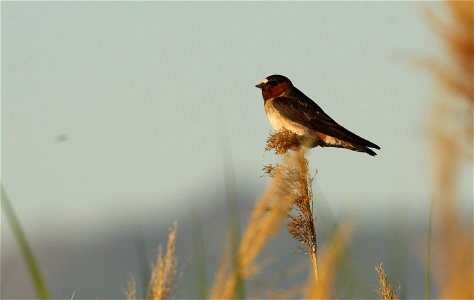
(61, 138)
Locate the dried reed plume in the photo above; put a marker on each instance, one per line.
(457, 37)
(301, 222)
(164, 272)
(283, 141)
(386, 292)
(452, 133)
(288, 186)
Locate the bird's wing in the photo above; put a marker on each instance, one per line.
(310, 115)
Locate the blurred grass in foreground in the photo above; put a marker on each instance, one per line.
(451, 133)
(451, 137)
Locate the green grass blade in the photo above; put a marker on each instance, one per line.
(142, 260)
(33, 267)
(233, 210)
(200, 254)
(428, 252)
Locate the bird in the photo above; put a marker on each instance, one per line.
(288, 108)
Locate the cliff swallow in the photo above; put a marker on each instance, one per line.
(287, 107)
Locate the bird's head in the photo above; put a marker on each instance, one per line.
(273, 86)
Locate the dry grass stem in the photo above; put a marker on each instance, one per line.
(165, 271)
(301, 224)
(386, 292)
(457, 75)
(301, 221)
(330, 258)
(265, 221)
(222, 273)
(131, 291)
(456, 35)
(453, 256)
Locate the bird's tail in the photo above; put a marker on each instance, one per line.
(337, 143)
(364, 149)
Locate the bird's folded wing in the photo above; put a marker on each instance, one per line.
(310, 115)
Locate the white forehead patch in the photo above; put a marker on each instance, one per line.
(265, 80)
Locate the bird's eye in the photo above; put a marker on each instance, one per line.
(272, 83)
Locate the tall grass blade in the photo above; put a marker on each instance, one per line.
(200, 254)
(142, 259)
(428, 252)
(233, 210)
(33, 267)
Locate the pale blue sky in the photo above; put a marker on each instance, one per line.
(140, 90)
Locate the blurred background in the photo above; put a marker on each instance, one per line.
(119, 118)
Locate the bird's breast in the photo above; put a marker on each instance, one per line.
(278, 121)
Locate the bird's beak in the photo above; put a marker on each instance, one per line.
(260, 85)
